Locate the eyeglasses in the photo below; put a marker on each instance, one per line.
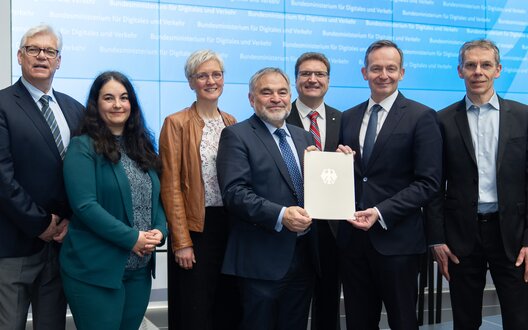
(35, 51)
(204, 76)
(308, 74)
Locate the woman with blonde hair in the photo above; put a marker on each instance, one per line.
(198, 223)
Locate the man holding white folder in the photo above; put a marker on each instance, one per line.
(397, 171)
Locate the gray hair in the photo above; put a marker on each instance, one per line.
(478, 43)
(260, 73)
(380, 44)
(42, 29)
(199, 57)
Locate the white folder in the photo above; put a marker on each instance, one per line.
(329, 185)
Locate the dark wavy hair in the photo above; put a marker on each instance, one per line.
(137, 139)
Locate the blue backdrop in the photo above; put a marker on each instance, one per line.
(150, 40)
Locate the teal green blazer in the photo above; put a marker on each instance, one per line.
(100, 234)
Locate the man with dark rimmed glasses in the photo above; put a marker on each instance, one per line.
(309, 111)
(35, 127)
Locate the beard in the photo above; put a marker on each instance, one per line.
(275, 118)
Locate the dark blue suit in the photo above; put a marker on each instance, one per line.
(31, 180)
(255, 186)
(402, 175)
(31, 189)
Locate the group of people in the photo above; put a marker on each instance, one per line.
(86, 199)
(81, 211)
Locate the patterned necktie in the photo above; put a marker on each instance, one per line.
(314, 129)
(370, 135)
(291, 164)
(50, 119)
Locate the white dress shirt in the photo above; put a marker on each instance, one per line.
(36, 94)
(305, 110)
(386, 105)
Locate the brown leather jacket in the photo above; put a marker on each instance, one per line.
(182, 188)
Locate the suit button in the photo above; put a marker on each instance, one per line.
(365, 179)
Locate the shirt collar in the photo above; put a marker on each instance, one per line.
(493, 103)
(36, 93)
(386, 104)
(272, 128)
(305, 110)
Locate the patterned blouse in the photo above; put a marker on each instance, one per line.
(208, 151)
(141, 189)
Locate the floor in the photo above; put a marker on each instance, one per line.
(156, 319)
(488, 323)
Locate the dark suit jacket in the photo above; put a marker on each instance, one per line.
(255, 185)
(31, 184)
(333, 125)
(101, 237)
(402, 175)
(452, 217)
(332, 121)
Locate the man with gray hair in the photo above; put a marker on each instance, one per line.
(271, 246)
(35, 127)
(479, 220)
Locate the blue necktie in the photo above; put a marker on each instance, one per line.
(291, 164)
(52, 123)
(370, 135)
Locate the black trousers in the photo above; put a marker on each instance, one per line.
(327, 289)
(280, 304)
(370, 278)
(202, 297)
(468, 280)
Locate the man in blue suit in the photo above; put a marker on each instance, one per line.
(271, 246)
(33, 205)
(397, 171)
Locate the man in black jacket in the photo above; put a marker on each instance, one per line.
(479, 219)
(312, 77)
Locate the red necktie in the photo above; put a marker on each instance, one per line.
(314, 129)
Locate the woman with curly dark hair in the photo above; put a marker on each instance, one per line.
(111, 177)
